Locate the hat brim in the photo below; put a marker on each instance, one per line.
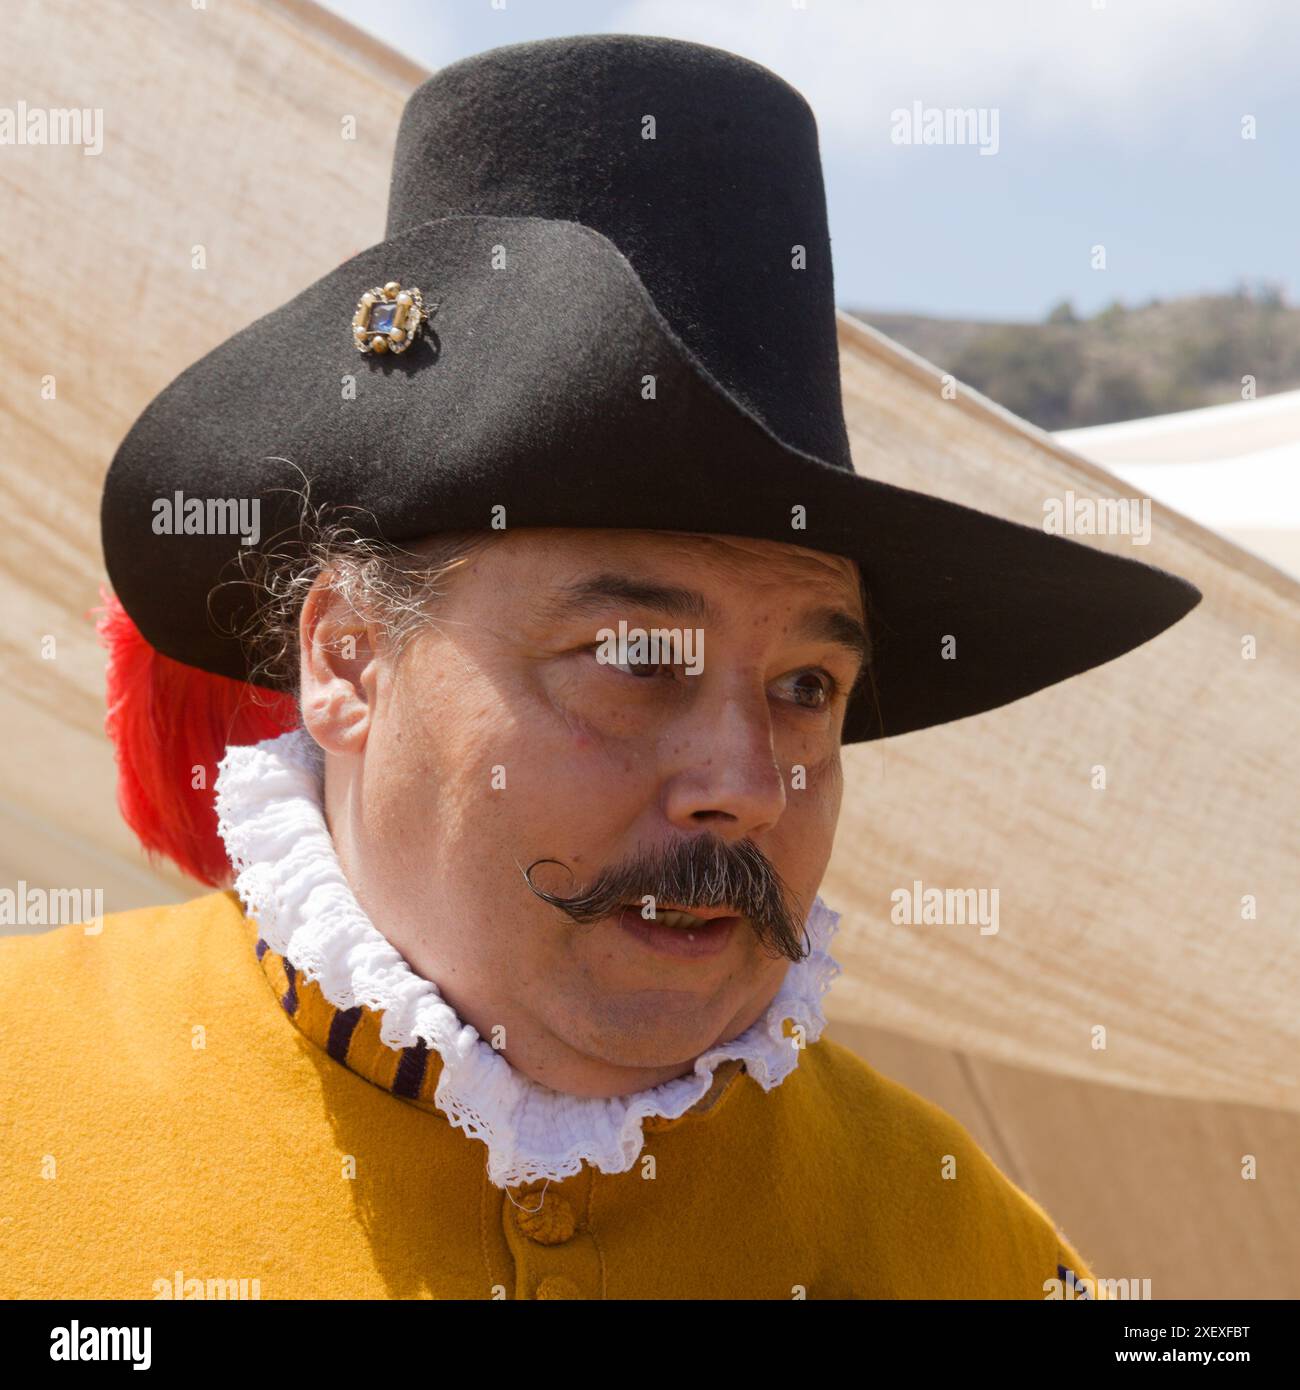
(548, 384)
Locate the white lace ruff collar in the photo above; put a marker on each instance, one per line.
(270, 815)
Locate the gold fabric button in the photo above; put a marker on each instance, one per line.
(557, 1286)
(553, 1221)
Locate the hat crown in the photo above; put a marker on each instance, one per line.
(703, 169)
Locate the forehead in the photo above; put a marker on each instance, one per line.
(747, 566)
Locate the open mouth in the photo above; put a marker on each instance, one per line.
(686, 921)
(690, 935)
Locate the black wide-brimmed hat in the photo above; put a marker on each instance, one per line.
(605, 299)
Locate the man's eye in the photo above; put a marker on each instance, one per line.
(641, 669)
(810, 689)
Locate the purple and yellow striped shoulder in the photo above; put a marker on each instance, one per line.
(351, 1036)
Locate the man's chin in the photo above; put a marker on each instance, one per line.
(658, 1038)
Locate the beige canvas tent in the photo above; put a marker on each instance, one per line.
(1234, 467)
(245, 149)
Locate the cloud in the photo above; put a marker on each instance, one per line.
(1130, 71)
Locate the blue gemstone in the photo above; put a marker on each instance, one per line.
(383, 316)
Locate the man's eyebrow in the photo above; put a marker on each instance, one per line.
(835, 625)
(601, 589)
(821, 624)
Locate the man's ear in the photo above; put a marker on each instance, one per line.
(337, 669)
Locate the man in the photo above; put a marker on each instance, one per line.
(528, 710)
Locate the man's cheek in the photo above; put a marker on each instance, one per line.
(813, 780)
(593, 702)
(442, 731)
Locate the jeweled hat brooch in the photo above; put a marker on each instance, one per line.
(388, 318)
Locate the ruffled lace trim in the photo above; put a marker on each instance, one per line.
(270, 815)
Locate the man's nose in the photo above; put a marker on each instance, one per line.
(719, 766)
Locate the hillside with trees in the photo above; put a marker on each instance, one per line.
(1120, 364)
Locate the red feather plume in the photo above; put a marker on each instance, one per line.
(170, 723)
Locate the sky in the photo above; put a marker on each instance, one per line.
(1111, 123)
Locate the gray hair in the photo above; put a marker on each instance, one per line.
(393, 587)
